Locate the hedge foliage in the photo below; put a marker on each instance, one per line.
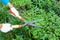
(46, 12)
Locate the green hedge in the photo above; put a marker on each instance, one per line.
(46, 12)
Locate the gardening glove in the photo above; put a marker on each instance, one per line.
(15, 13)
(5, 1)
(6, 28)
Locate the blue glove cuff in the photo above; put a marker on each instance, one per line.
(5, 1)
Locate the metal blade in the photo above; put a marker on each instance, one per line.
(36, 26)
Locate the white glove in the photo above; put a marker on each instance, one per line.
(14, 12)
(6, 28)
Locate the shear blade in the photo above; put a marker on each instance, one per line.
(35, 26)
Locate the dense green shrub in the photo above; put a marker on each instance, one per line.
(46, 12)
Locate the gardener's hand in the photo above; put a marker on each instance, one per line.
(15, 13)
(6, 28)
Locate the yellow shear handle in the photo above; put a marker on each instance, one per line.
(16, 26)
(0, 26)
